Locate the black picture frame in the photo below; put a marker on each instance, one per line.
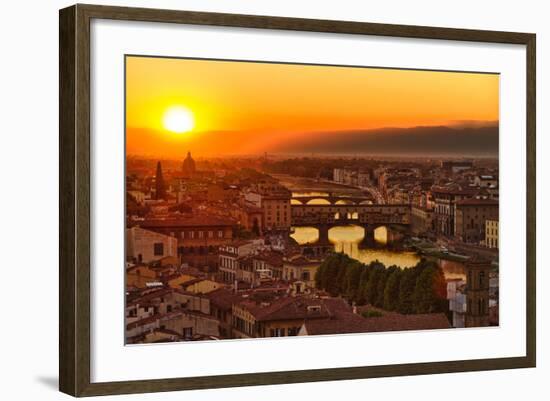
(74, 199)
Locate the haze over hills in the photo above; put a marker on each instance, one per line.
(440, 140)
(461, 139)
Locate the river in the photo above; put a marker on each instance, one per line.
(348, 239)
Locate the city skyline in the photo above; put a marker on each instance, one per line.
(278, 200)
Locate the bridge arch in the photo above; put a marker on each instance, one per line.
(344, 202)
(318, 201)
(381, 234)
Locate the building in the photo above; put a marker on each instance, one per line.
(298, 267)
(195, 233)
(280, 316)
(145, 246)
(184, 314)
(140, 276)
(267, 264)
(338, 175)
(231, 255)
(444, 199)
(470, 218)
(457, 301)
(138, 196)
(477, 292)
(344, 321)
(457, 166)
(221, 193)
(193, 284)
(188, 167)
(249, 217)
(274, 201)
(221, 305)
(422, 220)
(486, 181)
(491, 233)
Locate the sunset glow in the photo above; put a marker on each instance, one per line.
(178, 119)
(251, 108)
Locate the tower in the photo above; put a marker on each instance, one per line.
(477, 292)
(160, 190)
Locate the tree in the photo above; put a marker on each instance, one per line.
(380, 288)
(371, 291)
(391, 292)
(406, 289)
(344, 264)
(430, 293)
(361, 293)
(352, 280)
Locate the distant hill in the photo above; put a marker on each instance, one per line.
(456, 140)
(433, 140)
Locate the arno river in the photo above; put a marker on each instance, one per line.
(347, 239)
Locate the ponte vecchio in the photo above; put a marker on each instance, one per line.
(369, 216)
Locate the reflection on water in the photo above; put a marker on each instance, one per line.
(347, 238)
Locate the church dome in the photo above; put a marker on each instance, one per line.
(189, 164)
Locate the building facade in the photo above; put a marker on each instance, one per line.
(274, 201)
(421, 220)
(471, 215)
(231, 255)
(444, 208)
(144, 246)
(477, 292)
(491, 233)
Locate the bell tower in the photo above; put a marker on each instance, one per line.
(477, 292)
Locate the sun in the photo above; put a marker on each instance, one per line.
(178, 119)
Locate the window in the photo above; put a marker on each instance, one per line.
(481, 278)
(191, 234)
(277, 332)
(158, 249)
(201, 234)
(220, 234)
(293, 331)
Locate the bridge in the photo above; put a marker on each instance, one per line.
(370, 217)
(334, 199)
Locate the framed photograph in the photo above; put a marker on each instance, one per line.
(249, 200)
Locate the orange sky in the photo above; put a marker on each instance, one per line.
(245, 108)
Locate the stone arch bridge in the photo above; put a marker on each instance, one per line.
(334, 199)
(370, 217)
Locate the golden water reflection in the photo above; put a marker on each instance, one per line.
(347, 239)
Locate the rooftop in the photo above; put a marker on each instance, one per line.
(477, 202)
(185, 221)
(353, 323)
